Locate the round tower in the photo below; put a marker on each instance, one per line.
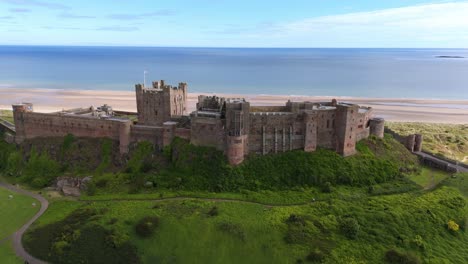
(418, 142)
(18, 116)
(377, 126)
(235, 149)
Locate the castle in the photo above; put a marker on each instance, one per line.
(231, 125)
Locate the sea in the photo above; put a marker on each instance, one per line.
(394, 73)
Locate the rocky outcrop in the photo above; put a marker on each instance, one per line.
(71, 186)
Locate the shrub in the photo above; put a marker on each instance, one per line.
(101, 183)
(40, 169)
(91, 188)
(296, 219)
(327, 187)
(453, 226)
(316, 255)
(395, 257)
(233, 229)
(349, 227)
(146, 226)
(213, 211)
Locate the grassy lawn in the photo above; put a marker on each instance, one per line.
(7, 115)
(448, 140)
(459, 181)
(13, 214)
(248, 233)
(429, 177)
(7, 256)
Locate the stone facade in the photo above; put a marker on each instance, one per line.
(231, 125)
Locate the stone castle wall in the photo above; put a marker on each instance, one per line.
(31, 125)
(228, 124)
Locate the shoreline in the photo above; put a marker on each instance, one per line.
(392, 109)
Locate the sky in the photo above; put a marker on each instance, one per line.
(236, 23)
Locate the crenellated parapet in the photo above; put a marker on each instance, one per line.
(161, 102)
(230, 125)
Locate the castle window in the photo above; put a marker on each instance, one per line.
(360, 126)
(328, 123)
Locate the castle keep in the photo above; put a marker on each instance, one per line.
(231, 125)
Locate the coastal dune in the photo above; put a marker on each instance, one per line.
(392, 109)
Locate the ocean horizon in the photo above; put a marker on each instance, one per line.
(348, 72)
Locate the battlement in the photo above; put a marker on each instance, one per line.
(161, 102)
(229, 124)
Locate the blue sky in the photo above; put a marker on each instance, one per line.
(226, 23)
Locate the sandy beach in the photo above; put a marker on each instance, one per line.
(392, 109)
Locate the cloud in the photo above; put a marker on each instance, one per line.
(20, 10)
(39, 3)
(6, 17)
(421, 23)
(118, 28)
(158, 13)
(74, 16)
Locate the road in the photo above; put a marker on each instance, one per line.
(18, 235)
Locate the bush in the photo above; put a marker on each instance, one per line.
(40, 170)
(146, 226)
(349, 227)
(101, 183)
(327, 187)
(316, 256)
(213, 211)
(79, 238)
(395, 257)
(453, 226)
(233, 229)
(91, 188)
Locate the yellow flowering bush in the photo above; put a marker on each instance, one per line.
(452, 226)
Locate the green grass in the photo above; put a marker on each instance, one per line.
(251, 233)
(13, 214)
(458, 181)
(7, 115)
(448, 140)
(429, 177)
(7, 255)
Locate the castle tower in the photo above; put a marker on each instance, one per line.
(377, 126)
(310, 131)
(160, 103)
(346, 119)
(237, 127)
(418, 140)
(18, 114)
(410, 142)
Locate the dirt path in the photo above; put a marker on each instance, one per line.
(18, 235)
(179, 198)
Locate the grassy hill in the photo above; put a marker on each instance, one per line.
(375, 207)
(14, 212)
(448, 140)
(7, 115)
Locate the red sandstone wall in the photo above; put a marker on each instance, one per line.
(208, 132)
(182, 133)
(147, 133)
(50, 125)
